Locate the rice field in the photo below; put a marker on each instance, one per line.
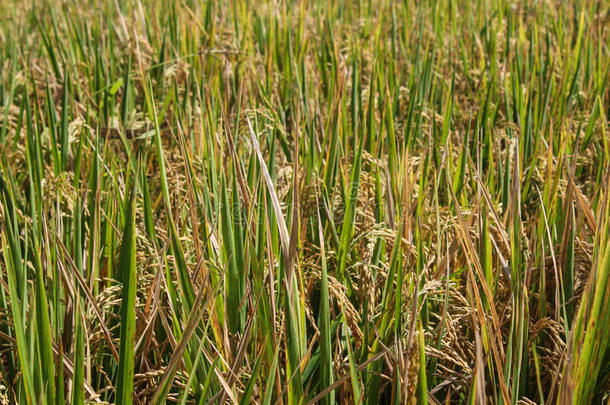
(298, 202)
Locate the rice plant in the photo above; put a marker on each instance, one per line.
(303, 201)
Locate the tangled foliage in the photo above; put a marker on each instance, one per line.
(304, 201)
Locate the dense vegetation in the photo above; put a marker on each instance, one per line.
(298, 202)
